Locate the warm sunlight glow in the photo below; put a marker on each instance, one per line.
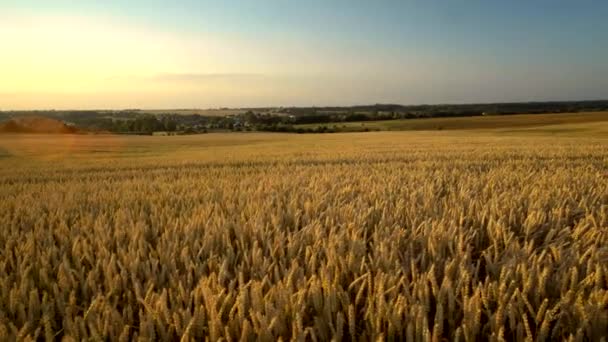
(210, 55)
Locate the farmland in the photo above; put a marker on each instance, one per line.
(322, 119)
(497, 232)
(203, 112)
(492, 122)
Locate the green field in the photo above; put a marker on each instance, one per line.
(502, 123)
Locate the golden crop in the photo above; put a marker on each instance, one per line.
(379, 236)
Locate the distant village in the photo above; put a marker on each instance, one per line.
(278, 119)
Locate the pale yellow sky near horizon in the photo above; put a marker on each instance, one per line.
(83, 62)
(62, 59)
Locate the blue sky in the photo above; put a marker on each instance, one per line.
(257, 53)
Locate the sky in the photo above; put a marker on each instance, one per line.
(207, 54)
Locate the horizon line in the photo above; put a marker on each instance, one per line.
(300, 106)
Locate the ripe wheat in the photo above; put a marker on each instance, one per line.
(390, 238)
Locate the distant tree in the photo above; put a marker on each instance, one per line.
(169, 125)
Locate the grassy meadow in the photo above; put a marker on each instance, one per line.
(494, 123)
(421, 236)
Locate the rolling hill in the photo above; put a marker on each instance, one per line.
(36, 124)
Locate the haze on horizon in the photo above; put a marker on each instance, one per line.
(197, 54)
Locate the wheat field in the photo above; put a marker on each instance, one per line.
(417, 236)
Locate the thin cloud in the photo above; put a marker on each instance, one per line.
(202, 77)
